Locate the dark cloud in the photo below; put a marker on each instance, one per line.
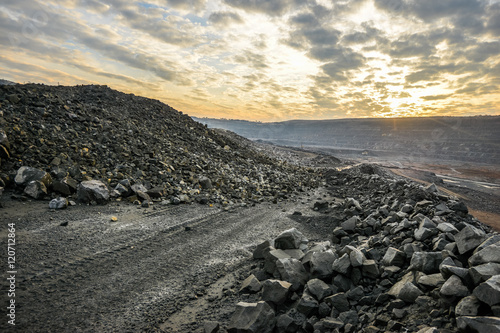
(224, 18)
(252, 59)
(270, 7)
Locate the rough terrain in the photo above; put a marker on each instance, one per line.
(131, 217)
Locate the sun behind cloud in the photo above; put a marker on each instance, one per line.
(266, 60)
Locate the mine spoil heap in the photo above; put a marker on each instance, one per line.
(94, 144)
(400, 258)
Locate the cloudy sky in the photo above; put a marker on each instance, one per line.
(266, 60)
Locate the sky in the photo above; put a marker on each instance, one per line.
(266, 60)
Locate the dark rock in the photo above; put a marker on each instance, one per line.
(35, 189)
(483, 272)
(338, 301)
(93, 190)
(478, 324)
(469, 238)
(426, 262)
(59, 203)
(454, 287)
(318, 289)
(290, 239)
(250, 285)
(488, 254)
(27, 174)
(252, 318)
(394, 257)
(258, 253)
(293, 271)
(275, 291)
(468, 306)
(321, 264)
(307, 304)
(489, 291)
(342, 264)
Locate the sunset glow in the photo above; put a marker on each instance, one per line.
(266, 60)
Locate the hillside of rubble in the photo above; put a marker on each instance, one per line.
(94, 133)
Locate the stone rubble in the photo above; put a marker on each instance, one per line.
(139, 149)
(424, 270)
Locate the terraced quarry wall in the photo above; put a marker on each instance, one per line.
(468, 139)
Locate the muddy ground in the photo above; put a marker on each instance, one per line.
(162, 269)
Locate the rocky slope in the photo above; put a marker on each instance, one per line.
(127, 146)
(400, 258)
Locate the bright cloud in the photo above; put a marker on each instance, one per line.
(266, 60)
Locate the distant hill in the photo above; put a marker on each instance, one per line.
(470, 139)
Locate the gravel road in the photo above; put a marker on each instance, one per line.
(144, 272)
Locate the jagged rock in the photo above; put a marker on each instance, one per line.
(489, 241)
(447, 227)
(351, 202)
(292, 270)
(433, 280)
(469, 238)
(342, 264)
(370, 269)
(426, 262)
(405, 290)
(431, 188)
(489, 291)
(93, 190)
(468, 306)
(350, 224)
(338, 301)
(483, 272)
(454, 287)
(318, 289)
(423, 233)
(290, 239)
(271, 258)
(357, 258)
(59, 203)
(35, 189)
(61, 188)
(251, 285)
(478, 324)
(258, 253)
(394, 257)
(307, 304)
(349, 317)
(27, 174)
(252, 318)
(275, 291)
(287, 324)
(488, 254)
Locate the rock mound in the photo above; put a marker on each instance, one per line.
(94, 133)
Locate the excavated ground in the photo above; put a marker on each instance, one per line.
(144, 272)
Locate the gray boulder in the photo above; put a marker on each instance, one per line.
(338, 301)
(271, 257)
(275, 291)
(27, 174)
(93, 190)
(489, 291)
(394, 257)
(35, 189)
(454, 287)
(318, 289)
(342, 264)
(426, 262)
(370, 269)
(468, 306)
(478, 324)
(59, 203)
(293, 271)
(469, 238)
(488, 254)
(291, 239)
(483, 272)
(321, 264)
(307, 304)
(251, 285)
(252, 318)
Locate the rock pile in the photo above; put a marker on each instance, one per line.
(56, 139)
(401, 258)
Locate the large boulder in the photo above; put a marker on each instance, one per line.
(27, 174)
(321, 264)
(93, 190)
(489, 291)
(293, 271)
(478, 324)
(35, 189)
(469, 238)
(291, 239)
(275, 291)
(252, 318)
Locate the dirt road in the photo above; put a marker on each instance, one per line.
(144, 272)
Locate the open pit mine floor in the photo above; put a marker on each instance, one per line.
(162, 269)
